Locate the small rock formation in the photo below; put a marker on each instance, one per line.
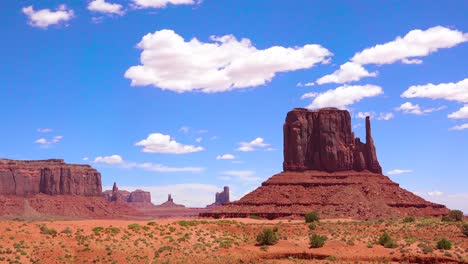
(170, 203)
(222, 197)
(323, 140)
(137, 196)
(52, 177)
(327, 169)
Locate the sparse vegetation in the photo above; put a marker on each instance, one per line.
(444, 244)
(464, 229)
(456, 215)
(47, 231)
(312, 217)
(267, 237)
(317, 241)
(409, 220)
(386, 241)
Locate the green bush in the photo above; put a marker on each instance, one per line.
(317, 241)
(134, 227)
(311, 217)
(386, 241)
(464, 229)
(256, 217)
(456, 215)
(67, 231)
(98, 230)
(312, 226)
(446, 218)
(409, 220)
(48, 231)
(267, 237)
(444, 244)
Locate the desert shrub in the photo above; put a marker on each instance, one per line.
(456, 215)
(464, 229)
(311, 226)
(48, 231)
(255, 217)
(317, 241)
(98, 230)
(151, 223)
(267, 237)
(186, 223)
(134, 227)
(386, 241)
(425, 248)
(408, 220)
(67, 231)
(446, 218)
(112, 230)
(444, 244)
(311, 217)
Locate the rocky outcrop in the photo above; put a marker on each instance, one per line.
(137, 196)
(222, 197)
(52, 177)
(170, 203)
(323, 140)
(327, 169)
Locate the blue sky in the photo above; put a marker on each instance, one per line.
(184, 97)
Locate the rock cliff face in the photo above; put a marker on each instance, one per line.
(170, 203)
(327, 169)
(323, 140)
(222, 197)
(52, 177)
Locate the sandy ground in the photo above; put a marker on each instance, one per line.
(226, 241)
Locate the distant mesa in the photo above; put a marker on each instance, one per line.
(170, 203)
(327, 169)
(137, 198)
(222, 197)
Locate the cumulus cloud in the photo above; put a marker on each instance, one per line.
(416, 43)
(148, 166)
(242, 175)
(161, 3)
(188, 194)
(435, 193)
(348, 72)
(44, 130)
(85, 158)
(462, 113)
(102, 6)
(45, 17)
(114, 159)
(460, 127)
(448, 91)
(385, 116)
(225, 157)
(199, 139)
(46, 142)
(409, 108)
(170, 63)
(309, 95)
(381, 116)
(398, 171)
(343, 96)
(160, 143)
(299, 84)
(252, 145)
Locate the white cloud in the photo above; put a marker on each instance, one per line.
(114, 159)
(225, 157)
(170, 63)
(416, 43)
(343, 96)
(104, 7)
(184, 129)
(460, 127)
(409, 108)
(363, 115)
(252, 145)
(348, 72)
(199, 139)
(161, 3)
(44, 17)
(385, 116)
(435, 193)
(381, 116)
(299, 84)
(448, 91)
(188, 194)
(85, 158)
(462, 113)
(411, 61)
(45, 142)
(242, 175)
(398, 171)
(270, 149)
(309, 95)
(44, 130)
(160, 143)
(148, 166)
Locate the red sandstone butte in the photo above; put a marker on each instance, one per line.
(327, 169)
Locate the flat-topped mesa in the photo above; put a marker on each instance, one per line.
(52, 177)
(323, 140)
(222, 197)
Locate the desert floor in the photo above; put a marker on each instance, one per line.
(227, 241)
